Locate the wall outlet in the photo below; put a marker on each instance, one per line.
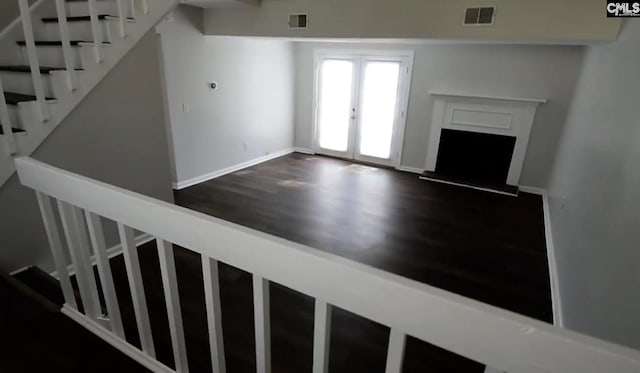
(186, 108)
(244, 146)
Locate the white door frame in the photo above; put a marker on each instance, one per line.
(404, 90)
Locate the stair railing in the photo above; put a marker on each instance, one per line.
(121, 16)
(66, 45)
(96, 30)
(32, 55)
(501, 339)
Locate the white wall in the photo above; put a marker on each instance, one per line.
(115, 135)
(523, 20)
(253, 104)
(595, 195)
(547, 72)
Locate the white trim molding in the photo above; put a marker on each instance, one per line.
(303, 150)
(19, 270)
(111, 252)
(225, 171)
(413, 170)
(532, 190)
(556, 301)
(120, 344)
(469, 186)
(489, 97)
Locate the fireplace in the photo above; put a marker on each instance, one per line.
(485, 160)
(479, 141)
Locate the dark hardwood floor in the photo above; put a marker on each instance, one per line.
(484, 246)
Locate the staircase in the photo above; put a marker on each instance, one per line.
(53, 55)
(39, 338)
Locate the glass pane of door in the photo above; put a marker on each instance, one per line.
(379, 97)
(334, 112)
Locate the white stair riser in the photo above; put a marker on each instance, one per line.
(22, 83)
(52, 56)
(80, 8)
(77, 30)
(14, 117)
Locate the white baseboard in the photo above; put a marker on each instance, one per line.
(304, 150)
(13, 273)
(122, 345)
(556, 302)
(413, 170)
(225, 171)
(551, 254)
(532, 190)
(468, 186)
(111, 252)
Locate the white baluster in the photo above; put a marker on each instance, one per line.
(145, 6)
(321, 337)
(132, 263)
(214, 313)
(262, 317)
(132, 8)
(122, 17)
(96, 29)
(53, 236)
(104, 269)
(75, 233)
(12, 146)
(170, 285)
(32, 55)
(66, 44)
(395, 353)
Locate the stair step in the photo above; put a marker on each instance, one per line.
(101, 17)
(42, 283)
(15, 98)
(14, 130)
(56, 43)
(27, 69)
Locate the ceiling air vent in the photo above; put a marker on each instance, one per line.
(479, 16)
(298, 21)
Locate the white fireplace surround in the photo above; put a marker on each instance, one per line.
(508, 116)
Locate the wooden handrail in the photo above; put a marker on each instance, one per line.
(501, 339)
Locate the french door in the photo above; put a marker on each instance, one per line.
(360, 106)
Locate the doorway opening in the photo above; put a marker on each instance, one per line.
(360, 106)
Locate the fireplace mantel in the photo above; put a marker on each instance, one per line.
(488, 97)
(509, 116)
